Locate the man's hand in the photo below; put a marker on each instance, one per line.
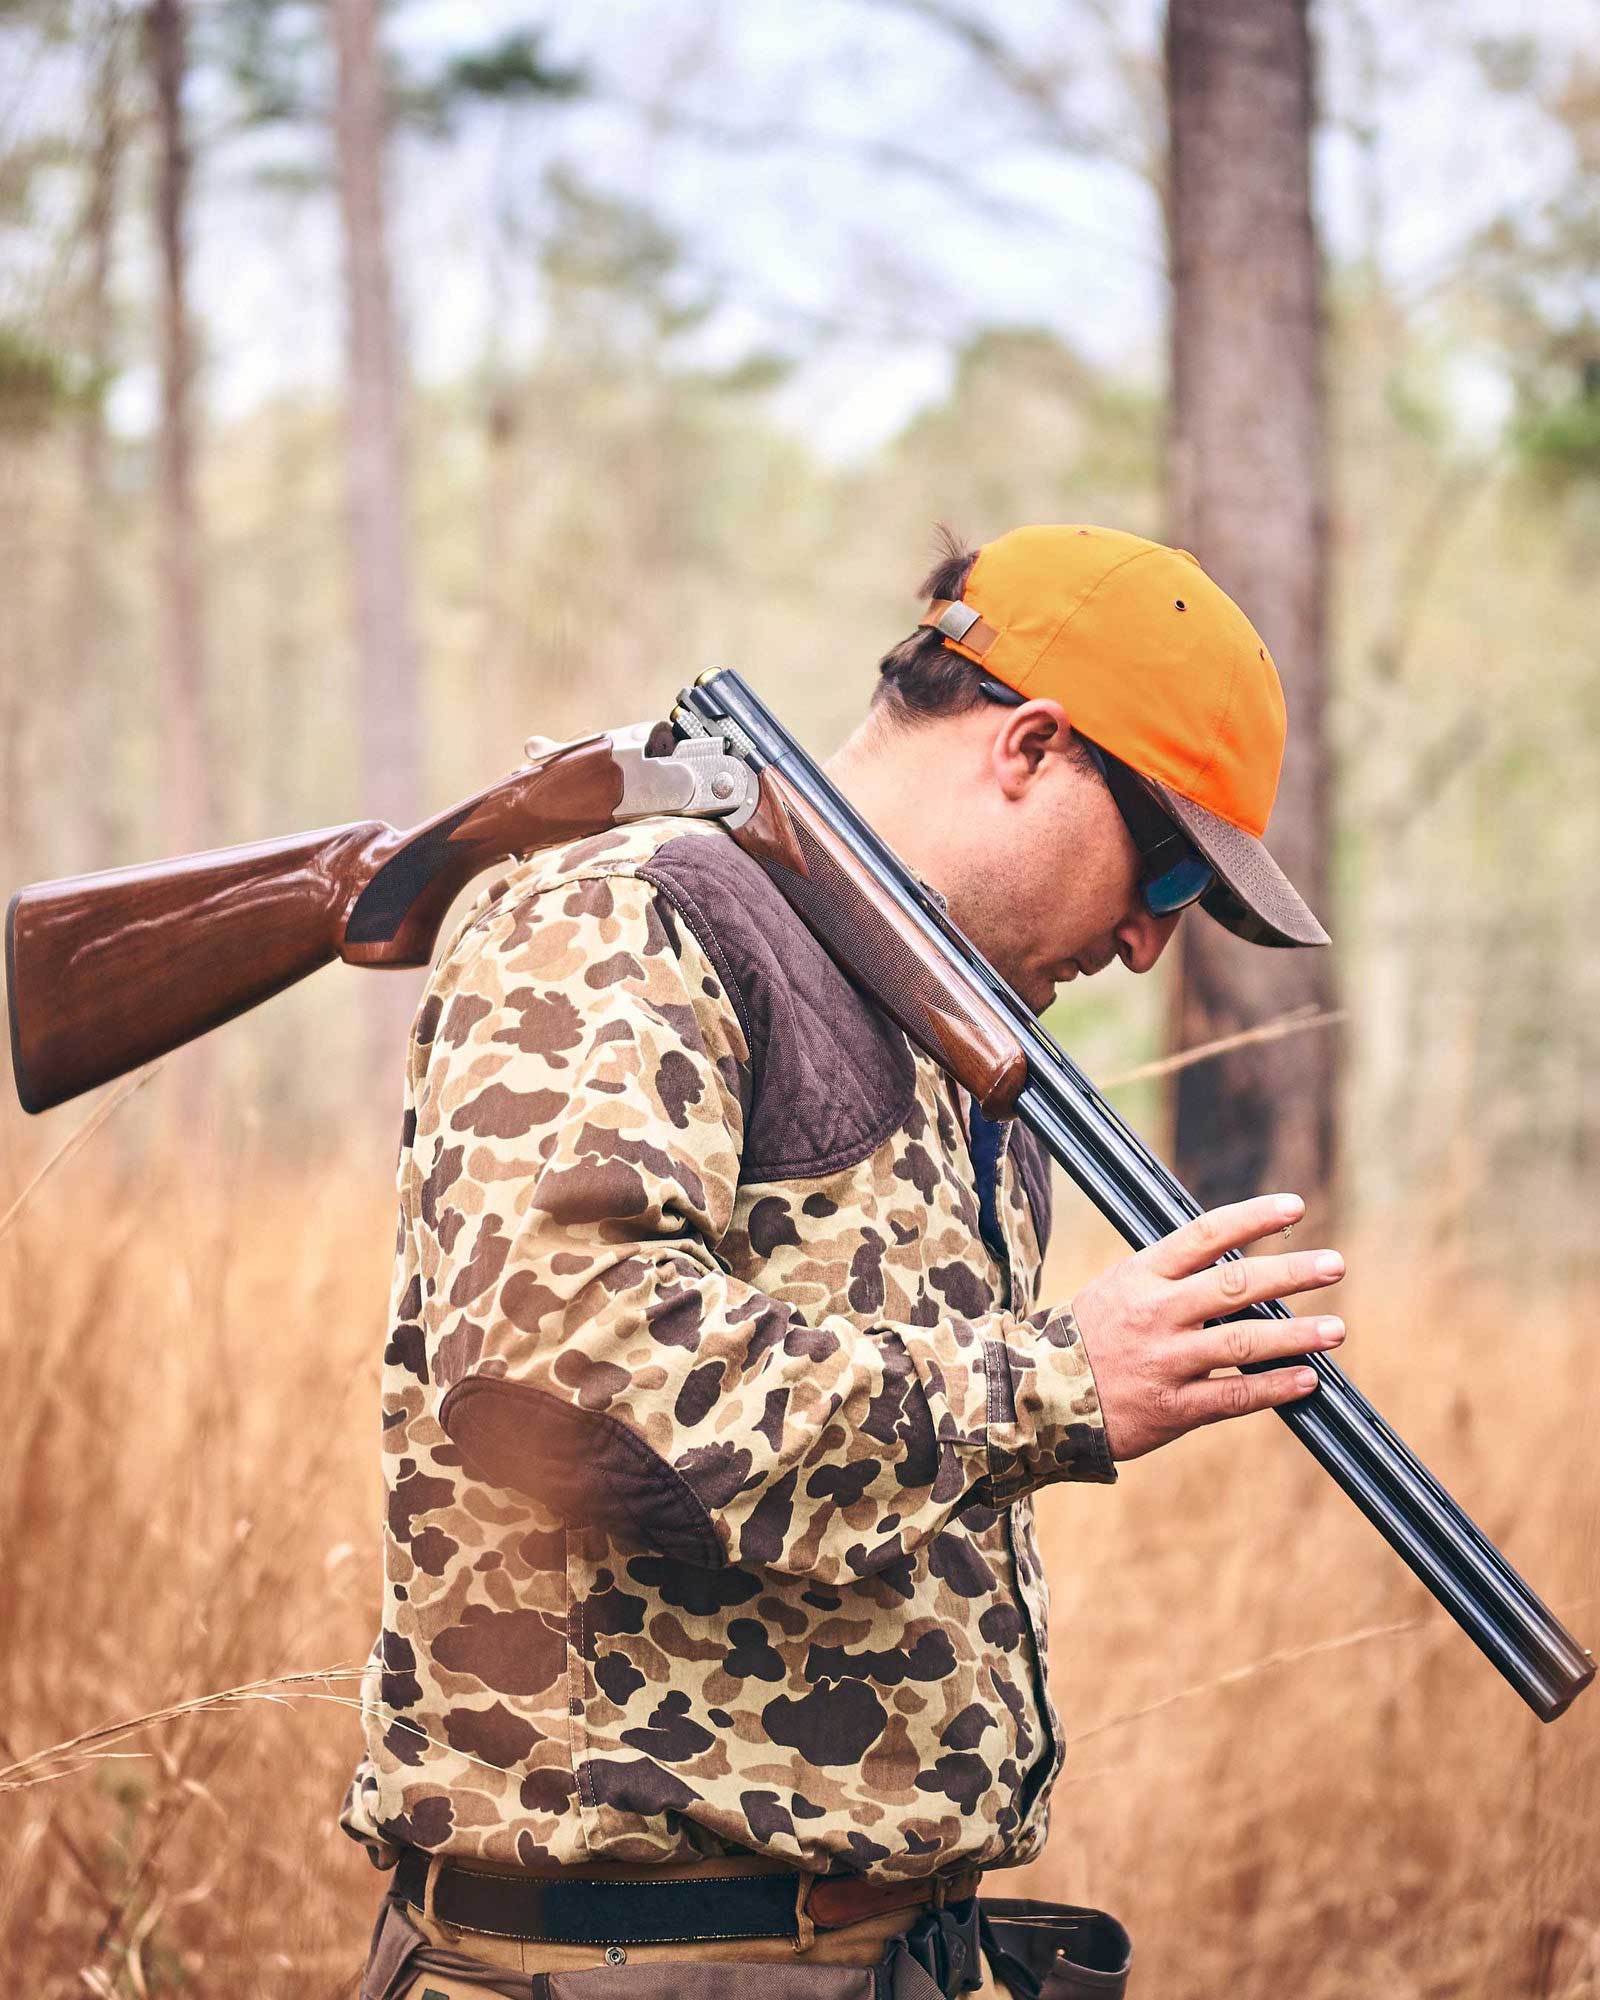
(1143, 1326)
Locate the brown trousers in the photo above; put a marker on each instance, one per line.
(417, 1956)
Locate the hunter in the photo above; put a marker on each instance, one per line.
(719, 1383)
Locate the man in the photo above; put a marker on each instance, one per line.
(718, 1384)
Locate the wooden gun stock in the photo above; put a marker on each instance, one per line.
(105, 972)
(842, 902)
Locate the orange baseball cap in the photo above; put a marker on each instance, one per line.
(1156, 664)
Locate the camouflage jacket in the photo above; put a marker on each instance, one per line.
(713, 1399)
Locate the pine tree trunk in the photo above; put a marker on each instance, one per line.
(388, 675)
(187, 815)
(22, 631)
(185, 784)
(88, 608)
(1247, 494)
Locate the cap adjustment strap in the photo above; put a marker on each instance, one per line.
(960, 622)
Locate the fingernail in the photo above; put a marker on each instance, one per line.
(1331, 1330)
(1290, 1205)
(1305, 1378)
(1329, 1264)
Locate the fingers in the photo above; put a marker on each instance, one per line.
(1239, 1395)
(1246, 1281)
(1219, 1230)
(1242, 1343)
(1155, 1357)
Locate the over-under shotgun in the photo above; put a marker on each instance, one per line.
(105, 972)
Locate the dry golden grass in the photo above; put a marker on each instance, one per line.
(189, 1501)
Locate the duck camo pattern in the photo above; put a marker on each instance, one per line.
(708, 1521)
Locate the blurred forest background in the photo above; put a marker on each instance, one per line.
(377, 388)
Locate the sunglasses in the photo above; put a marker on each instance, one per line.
(1172, 872)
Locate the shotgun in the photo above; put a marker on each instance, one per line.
(92, 993)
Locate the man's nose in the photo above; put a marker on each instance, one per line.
(1142, 938)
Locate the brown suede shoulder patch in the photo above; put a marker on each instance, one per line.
(832, 1076)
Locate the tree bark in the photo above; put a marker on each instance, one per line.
(1247, 493)
(87, 619)
(186, 805)
(388, 672)
(186, 781)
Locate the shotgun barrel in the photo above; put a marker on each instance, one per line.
(894, 938)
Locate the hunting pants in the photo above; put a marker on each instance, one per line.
(1029, 1951)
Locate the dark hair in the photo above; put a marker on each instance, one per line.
(921, 678)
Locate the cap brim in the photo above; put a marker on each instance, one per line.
(1252, 897)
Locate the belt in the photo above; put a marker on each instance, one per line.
(575, 1909)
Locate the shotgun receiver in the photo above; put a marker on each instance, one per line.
(90, 975)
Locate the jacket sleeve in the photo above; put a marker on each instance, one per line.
(577, 1082)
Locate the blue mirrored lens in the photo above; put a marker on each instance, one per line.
(1175, 888)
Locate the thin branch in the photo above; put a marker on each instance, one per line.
(1285, 1656)
(1449, 752)
(75, 1139)
(95, 1746)
(1030, 84)
(1295, 1022)
(21, 1772)
(70, 1847)
(973, 34)
(885, 154)
(1424, 549)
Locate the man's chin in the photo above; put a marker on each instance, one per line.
(1036, 990)
(1050, 985)
(1040, 995)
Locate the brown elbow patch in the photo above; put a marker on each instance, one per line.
(585, 1465)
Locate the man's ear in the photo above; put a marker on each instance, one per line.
(1025, 742)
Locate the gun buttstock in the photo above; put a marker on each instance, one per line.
(106, 972)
